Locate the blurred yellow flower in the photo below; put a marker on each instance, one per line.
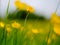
(35, 31)
(2, 24)
(49, 41)
(30, 9)
(16, 25)
(55, 18)
(20, 5)
(8, 28)
(23, 6)
(57, 29)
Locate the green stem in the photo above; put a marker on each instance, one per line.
(26, 19)
(57, 6)
(5, 36)
(23, 33)
(15, 37)
(6, 21)
(7, 8)
(2, 38)
(50, 32)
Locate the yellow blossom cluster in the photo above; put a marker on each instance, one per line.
(16, 25)
(23, 6)
(35, 31)
(57, 29)
(55, 20)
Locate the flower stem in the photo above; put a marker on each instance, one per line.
(5, 33)
(57, 6)
(7, 8)
(15, 37)
(50, 32)
(26, 19)
(5, 36)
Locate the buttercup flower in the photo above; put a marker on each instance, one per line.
(20, 5)
(23, 6)
(57, 29)
(35, 31)
(16, 25)
(49, 41)
(55, 18)
(8, 28)
(30, 9)
(2, 24)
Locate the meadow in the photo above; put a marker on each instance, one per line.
(23, 27)
(36, 31)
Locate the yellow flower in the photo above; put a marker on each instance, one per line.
(35, 31)
(57, 29)
(55, 18)
(23, 6)
(49, 41)
(8, 28)
(16, 25)
(30, 9)
(20, 5)
(2, 24)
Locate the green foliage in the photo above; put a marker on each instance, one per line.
(22, 15)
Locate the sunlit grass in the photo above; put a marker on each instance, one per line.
(35, 33)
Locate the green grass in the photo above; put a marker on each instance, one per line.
(26, 37)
